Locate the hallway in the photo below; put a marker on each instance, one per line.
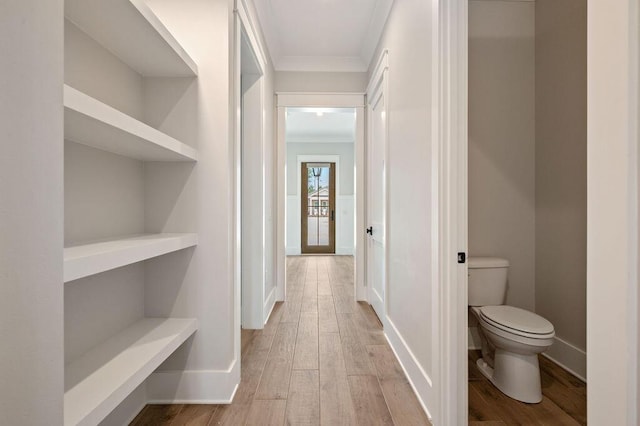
(321, 359)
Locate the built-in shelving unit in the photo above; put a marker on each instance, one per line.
(90, 122)
(102, 378)
(90, 259)
(130, 30)
(112, 47)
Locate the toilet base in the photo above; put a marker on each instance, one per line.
(515, 375)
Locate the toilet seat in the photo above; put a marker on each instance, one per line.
(517, 321)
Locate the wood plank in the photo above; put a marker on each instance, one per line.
(385, 362)
(355, 356)
(343, 300)
(511, 411)
(306, 350)
(327, 321)
(310, 297)
(303, 405)
(267, 413)
(157, 414)
(231, 415)
(371, 408)
(194, 415)
(271, 326)
(274, 383)
(324, 287)
(336, 406)
(565, 390)
(402, 402)
(292, 307)
(369, 328)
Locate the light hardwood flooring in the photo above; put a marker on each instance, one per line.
(322, 359)
(564, 399)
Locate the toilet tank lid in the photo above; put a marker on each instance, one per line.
(487, 262)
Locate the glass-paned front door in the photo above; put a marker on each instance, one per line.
(318, 208)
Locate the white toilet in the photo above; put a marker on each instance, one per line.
(511, 337)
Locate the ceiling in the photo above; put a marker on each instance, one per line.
(326, 125)
(322, 35)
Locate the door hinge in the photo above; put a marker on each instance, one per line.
(462, 257)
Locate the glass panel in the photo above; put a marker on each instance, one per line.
(318, 208)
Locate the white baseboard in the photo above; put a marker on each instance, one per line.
(293, 251)
(418, 378)
(474, 339)
(269, 303)
(193, 386)
(569, 357)
(345, 251)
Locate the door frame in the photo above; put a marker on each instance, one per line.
(244, 22)
(320, 159)
(319, 100)
(450, 146)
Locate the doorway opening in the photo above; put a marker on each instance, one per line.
(321, 181)
(318, 222)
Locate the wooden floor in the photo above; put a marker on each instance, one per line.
(321, 359)
(564, 399)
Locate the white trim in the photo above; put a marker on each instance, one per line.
(418, 378)
(320, 63)
(269, 304)
(314, 99)
(449, 139)
(194, 386)
(359, 238)
(331, 100)
(569, 357)
(375, 30)
(319, 139)
(248, 22)
(377, 75)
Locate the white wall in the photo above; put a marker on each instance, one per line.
(197, 283)
(300, 81)
(502, 140)
(345, 196)
(411, 297)
(31, 213)
(561, 176)
(612, 212)
(90, 68)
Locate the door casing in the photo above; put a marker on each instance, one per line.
(320, 100)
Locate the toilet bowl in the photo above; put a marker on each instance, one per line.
(511, 337)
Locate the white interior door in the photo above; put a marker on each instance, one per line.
(376, 202)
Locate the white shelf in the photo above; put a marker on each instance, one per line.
(90, 122)
(132, 32)
(90, 259)
(102, 378)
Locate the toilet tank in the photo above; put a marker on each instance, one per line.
(487, 281)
